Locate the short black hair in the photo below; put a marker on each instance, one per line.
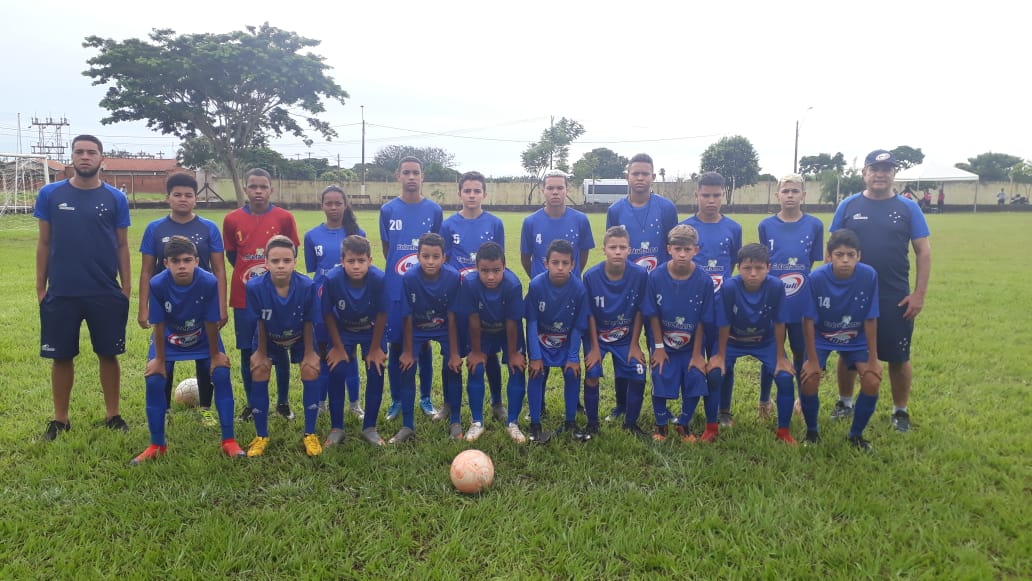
(91, 138)
(410, 159)
(490, 251)
(711, 178)
(473, 176)
(430, 239)
(257, 171)
(754, 252)
(642, 158)
(180, 180)
(560, 245)
(843, 237)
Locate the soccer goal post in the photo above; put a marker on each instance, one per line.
(21, 176)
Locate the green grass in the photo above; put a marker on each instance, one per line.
(948, 500)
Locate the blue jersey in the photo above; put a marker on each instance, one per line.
(428, 302)
(82, 258)
(614, 303)
(493, 306)
(462, 238)
(354, 308)
(284, 317)
(322, 249)
(560, 314)
(680, 305)
(752, 315)
(203, 233)
(540, 229)
(648, 227)
(840, 307)
(719, 243)
(794, 248)
(184, 310)
(401, 225)
(885, 228)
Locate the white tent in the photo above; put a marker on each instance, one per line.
(930, 171)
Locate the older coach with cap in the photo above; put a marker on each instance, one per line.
(886, 225)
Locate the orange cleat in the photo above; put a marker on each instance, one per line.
(232, 449)
(783, 435)
(710, 433)
(152, 452)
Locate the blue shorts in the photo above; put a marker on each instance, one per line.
(395, 323)
(491, 343)
(850, 358)
(766, 355)
(244, 325)
(679, 379)
(795, 337)
(296, 351)
(635, 370)
(894, 332)
(60, 319)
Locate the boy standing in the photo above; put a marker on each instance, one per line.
(245, 232)
(181, 195)
(616, 288)
(463, 234)
(491, 298)
(648, 217)
(754, 305)
(553, 222)
(285, 306)
(354, 307)
(680, 306)
(557, 317)
(185, 311)
(402, 221)
(720, 238)
(427, 308)
(844, 313)
(795, 241)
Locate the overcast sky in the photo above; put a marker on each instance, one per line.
(659, 77)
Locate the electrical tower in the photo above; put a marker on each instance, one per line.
(51, 138)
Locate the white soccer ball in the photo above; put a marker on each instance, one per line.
(472, 471)
(187, 394)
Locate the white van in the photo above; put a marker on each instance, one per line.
(604, 191)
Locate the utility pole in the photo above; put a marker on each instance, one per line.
(363, 152)
(551, 137)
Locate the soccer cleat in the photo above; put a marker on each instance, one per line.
(322, 407)
(725, 419)
(901, 421)
(455, 431)
(580, 434)
(765, 410)
(335, 437)
(312, 446)
(356, 408)
(710, 433)
(592, 429)
(615, 414)
(841, 411)
(636, 431)
(860, 443)
(515, 433)
(442, 413)
(812, 438)
(404, 435)
(393, 410)
(537, 435)
(283, 409)
(499, 412)
(208, 419)
(783, 435)
(257, 446)
(372, 436)
(660, 434)
(686, 436)
(246, 414)
(232, 449)
(116, 423)
(152, 452)
(54, 428)
(475, 431)
(427, 406)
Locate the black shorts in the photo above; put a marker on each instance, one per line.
(894, 332)
(60, 319)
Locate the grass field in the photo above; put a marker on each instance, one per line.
(951, 499)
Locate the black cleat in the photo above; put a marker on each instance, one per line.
(637, 432)
(860, 443)
(116, 423)
(54, 428)
(901, 421)
(812, 438)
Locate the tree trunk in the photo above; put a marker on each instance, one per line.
(234, 174)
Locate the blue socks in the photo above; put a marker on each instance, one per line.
(591, 402)
(786, 398)
(223, 397)
(635, 394)
(862, 413)
(311, 395)
(156, 406)
(811, 407)
(517, 391)
(258, 399)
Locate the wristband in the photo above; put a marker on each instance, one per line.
(658, 346)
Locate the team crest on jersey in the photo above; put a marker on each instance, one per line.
(840, 336)
(552, 340)
(647, 262)
(793, 282)
(405, 263)
(676, 339)
(185, 340)
(254, 272)
(613, 335)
